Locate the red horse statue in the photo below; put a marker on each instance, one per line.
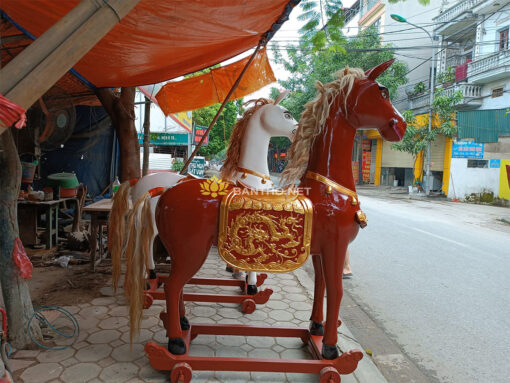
(320, 157)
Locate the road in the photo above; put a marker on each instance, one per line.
(435, 277)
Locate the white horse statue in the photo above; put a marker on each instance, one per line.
(246, 163)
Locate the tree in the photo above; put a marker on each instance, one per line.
(308, 66)
(14, 288)
(417, 136)
(222, 129)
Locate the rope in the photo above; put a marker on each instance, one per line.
(10, 112)
(42, 319)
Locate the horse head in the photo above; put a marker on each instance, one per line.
(276, 120)
(369, 106)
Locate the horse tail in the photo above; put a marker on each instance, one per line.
(137, 254)
(117, 228)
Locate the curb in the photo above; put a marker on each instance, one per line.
(367, 371)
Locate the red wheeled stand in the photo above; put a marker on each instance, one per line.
(182, 366)
(248, 302)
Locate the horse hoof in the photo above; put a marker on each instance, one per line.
(316, 329)
(252, 290)
(153, 274)
(184, 324)
(330, 352)
(230, 269)
(176, 346)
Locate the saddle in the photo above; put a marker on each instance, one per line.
(265, 231)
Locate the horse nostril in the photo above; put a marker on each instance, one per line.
(393, 122)
(294, 131)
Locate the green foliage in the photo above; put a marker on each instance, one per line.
(222, 129)
(417, 137)
(177, 165)
(447, 76)
(419, 88)
(308, 66)
(324, 21)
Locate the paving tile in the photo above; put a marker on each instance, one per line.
(148, 322)
(41, 373)
(200, 350)
(80, 373)
(292, 289)
(72, 309)
(107, 362)
(93, 353)
(268, 377)
(296, 297)
(227, 340)
(119, 373)
(107, 291)
(125, 353)
(230, 352)
(87, 323)
(20, 364)
(290, 342)
(80, 345)
(232, 376)
(69, 362)
(281, 315)
(203, 311)
(160, 337)
(304, 378)
(260, 341)
(94, 311)
(104, 336)
(83, 305)
(263, 353)
(113, 323)
(230, 313)
(149, 374)
(277, 304)
(118, 342)
(296, 353)
(55, 356)
(119, 311)
(26, 354)
(103, 301)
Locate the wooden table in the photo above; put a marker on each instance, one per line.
(99, 212)
(28, 212)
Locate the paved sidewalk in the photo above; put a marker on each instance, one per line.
(102, 353)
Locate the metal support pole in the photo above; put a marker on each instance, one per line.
(227, 98)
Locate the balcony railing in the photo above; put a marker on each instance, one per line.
(459, 8)
(495, 62)
(470, 92)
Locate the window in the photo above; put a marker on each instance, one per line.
(478, 164)
(497, 92)
(377, 24)
(503, 39)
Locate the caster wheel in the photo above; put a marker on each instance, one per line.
(248, 306)
(181, 373)
(328, 375)
(147, 301)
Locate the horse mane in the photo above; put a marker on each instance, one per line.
(236, 138)
(313, 119)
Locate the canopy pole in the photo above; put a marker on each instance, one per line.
(50, 56)
(227, 98)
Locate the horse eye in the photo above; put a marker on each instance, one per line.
(384, 94)
(287, 115)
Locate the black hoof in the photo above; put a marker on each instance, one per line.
(230, 269)
(330, 352)
(153, 274)
(252, 290)
(176, 346)
(316, 329)
(184, 324)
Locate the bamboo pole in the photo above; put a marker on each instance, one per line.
(227, 98)
(47, 64)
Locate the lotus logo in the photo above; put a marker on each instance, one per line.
(213, 187)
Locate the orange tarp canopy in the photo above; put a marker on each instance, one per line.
(159, 40)
(212, 87)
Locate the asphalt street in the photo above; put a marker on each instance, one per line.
(435, 277)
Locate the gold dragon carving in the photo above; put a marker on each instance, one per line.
(265, 232)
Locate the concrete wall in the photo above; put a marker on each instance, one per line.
(471, 180)
(489, 38)
(488, 102)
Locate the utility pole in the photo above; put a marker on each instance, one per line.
(146, 135)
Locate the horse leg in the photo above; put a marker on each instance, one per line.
(182, 313)
(183, 269)
(317, 317)
(252, 283)
(333, 260)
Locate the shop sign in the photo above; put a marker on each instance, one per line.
(197, 167)
(160, 138)
(467, 149)
(199, 133)
(495, 164)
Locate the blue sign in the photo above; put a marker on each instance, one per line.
(467, 149)
(495, 164)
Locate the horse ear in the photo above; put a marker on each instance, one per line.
(281, 97)
(376, 71)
